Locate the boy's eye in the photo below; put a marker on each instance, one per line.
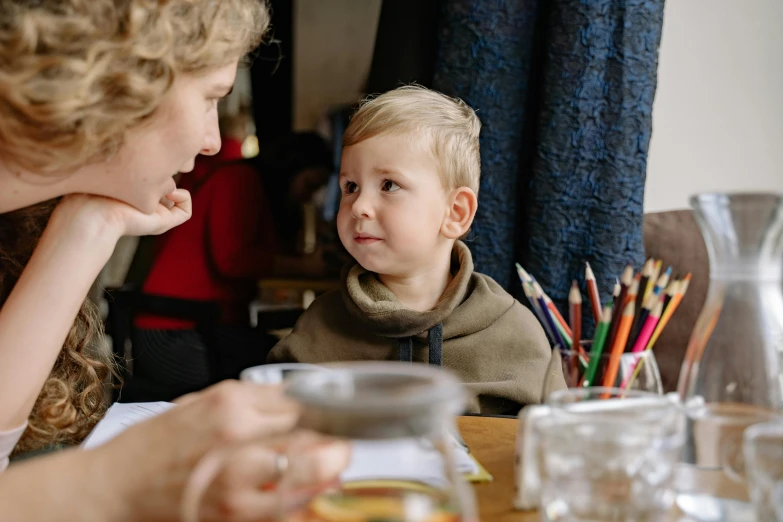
(390, 186)
(350, 187)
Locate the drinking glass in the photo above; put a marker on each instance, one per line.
(608, 455)
(763, 449)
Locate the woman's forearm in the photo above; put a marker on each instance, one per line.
(72, 485)
(39, 312)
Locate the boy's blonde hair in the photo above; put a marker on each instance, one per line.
(452, 126)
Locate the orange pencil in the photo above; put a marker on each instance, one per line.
(560, 319)
(619, 344)
(575, 314)
(619, 307)
(670, 309)
(592, 292)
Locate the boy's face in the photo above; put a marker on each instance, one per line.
(393, 204)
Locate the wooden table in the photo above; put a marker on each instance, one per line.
(492, 441)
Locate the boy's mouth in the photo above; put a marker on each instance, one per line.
(366, 239)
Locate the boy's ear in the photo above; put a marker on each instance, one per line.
(462, 209)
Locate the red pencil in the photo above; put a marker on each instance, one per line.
(592, 292)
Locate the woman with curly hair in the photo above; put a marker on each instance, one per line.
(102, 102)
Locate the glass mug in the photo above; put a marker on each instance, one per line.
(400, 420)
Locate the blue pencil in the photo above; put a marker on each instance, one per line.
(538, 295)
(527, 287)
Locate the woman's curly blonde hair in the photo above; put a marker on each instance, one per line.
(75, 76)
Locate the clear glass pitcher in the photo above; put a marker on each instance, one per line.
(731, 375)
(400, 419)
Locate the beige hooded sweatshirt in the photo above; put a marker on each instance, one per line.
(477, 330)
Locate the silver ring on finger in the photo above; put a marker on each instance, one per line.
(281, 465)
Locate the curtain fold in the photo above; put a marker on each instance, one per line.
(564, 89)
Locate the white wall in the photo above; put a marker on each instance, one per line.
(718, 112)
(333, 46)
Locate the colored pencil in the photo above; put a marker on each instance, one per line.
(538, 295)
(633, 291)
(558, 316)
(649, 304)
(671, 291)
(598, 345)
(560, 325)
(592, 292)
(648, 328)
(653, 278)
(647, 270)
(527, 288)
(616, 293)
(663, 281)
(667, 314)
(619, 345)
(644, 337)
(619, 304)
(575, 315)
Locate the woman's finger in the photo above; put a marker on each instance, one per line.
(318, 462)
(234, 484)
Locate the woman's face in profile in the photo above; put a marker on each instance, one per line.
(184, 126)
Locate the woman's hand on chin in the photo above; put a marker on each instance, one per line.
(87, 213)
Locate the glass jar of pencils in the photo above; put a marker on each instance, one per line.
(408, 461)
(731, 375)
(584, 368)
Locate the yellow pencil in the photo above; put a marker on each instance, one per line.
(670, 309)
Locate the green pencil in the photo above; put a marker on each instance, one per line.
(598, 345)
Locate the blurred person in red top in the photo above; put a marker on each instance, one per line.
(218, 255)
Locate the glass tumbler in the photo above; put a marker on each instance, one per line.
(608, 455)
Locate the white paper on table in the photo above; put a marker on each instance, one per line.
(404, 460)
(398, 459)
(120, 417)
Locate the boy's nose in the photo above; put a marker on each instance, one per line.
(362, 208)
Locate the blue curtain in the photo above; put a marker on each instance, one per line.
(564, 89)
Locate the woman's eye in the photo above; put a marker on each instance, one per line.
(390, 186)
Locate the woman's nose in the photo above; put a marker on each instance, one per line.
(212, 140)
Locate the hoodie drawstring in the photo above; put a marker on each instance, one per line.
(435, 339)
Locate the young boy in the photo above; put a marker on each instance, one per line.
(410, 178)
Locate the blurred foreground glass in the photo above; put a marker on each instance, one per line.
(636, 371)
(608, 455)
(384, 408)
(763, 449)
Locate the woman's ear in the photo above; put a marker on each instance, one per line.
(462, 209)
